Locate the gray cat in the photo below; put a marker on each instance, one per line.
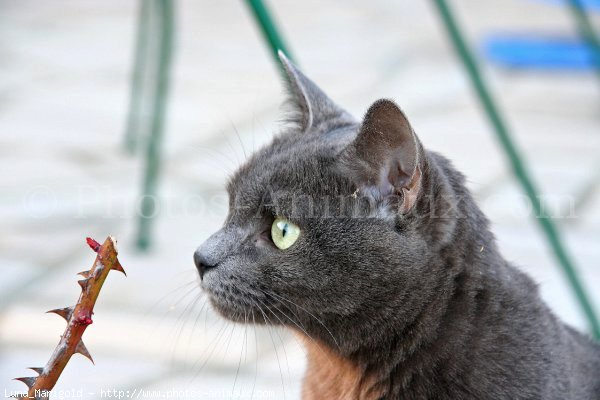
(372, 250)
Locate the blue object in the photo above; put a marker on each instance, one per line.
(592, 5)
(550, 53)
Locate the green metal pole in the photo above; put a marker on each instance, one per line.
(148, 210)
(269, 29)
(518, 167)
(136, 103)
(586, 31)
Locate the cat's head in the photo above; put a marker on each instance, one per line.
(327, 229)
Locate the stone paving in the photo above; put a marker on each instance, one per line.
(65, 68)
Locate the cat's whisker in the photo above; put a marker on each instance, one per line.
(213, 154)
(246, 323)
(170, 293)
(283, 347)
(278, 334)
(190, 290)
(195, 324)
(253, 133)
(237, 133)
(181, 322)
(277, 357)
(211, 347)
(301, 327)
(230, 337)
(318, 345)
(309, 313)
(256, 357)
(189, 304)
(224, 135)
(268, 326)
(240, 360)
(315, 342)
(180, 298)
(192, 272)
(206, 318)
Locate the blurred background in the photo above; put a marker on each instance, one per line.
(73, 166)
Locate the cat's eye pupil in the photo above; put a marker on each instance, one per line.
(284, 233)
(283, 227)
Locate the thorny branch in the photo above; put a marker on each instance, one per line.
(78, 318)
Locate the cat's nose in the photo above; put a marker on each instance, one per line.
(216, 248)
(203, 263)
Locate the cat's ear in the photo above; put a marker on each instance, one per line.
(386, 159)
(313, 110)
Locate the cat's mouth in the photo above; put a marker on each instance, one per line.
(236, 305)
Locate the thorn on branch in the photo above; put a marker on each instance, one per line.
(66, 312)
(29, 381)
(83, 283)
(81, 349)
(85, 274)
(119, 267)
(37, 369)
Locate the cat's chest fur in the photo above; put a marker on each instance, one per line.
(330, 376)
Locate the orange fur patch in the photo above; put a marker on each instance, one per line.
(329, 375)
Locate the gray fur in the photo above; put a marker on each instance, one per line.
(419, 298)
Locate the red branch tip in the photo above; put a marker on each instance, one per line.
(93, 244)
(84, 318)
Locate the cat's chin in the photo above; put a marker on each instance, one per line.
(237, 313)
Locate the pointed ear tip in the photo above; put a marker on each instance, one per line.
(283, 58)
(288, 67)
(388, 103)
(386, 106)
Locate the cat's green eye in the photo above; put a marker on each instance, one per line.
(284, 233)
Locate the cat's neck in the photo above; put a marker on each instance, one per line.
(398, 359)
